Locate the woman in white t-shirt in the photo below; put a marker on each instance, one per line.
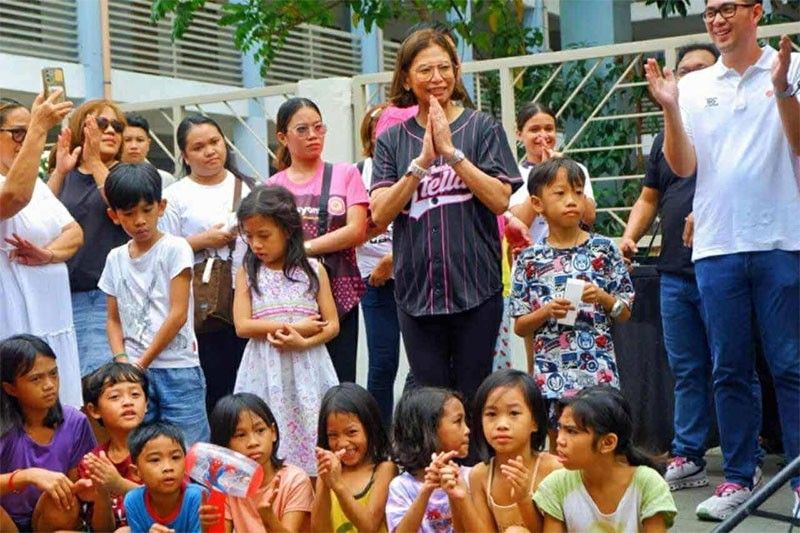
(37, 237)
(200, 208)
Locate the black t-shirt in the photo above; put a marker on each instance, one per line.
(82, 199)
(445, 242)
(675, 203)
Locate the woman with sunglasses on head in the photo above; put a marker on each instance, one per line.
(202, 209)
(85, 151)
(333, 240)
(37, 235)
(443, 176)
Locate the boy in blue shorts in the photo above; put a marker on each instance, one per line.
(568, 358)
(148, 283)
(165, 502)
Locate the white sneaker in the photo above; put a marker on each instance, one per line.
(685, 474)
(757, 475)
(726, 499)
(796, 508)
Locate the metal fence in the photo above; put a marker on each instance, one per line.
(599, 95)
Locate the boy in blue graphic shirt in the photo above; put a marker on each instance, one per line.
(567, 359)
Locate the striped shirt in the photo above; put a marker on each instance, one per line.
(446, 243)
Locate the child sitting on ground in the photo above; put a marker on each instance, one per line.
(115, 396)
(148, 283)
(165, 502)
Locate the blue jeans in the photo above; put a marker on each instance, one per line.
(89, 315)
(383, 343)
(178, 396)
(731, 286)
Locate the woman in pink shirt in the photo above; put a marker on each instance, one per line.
(332, 201)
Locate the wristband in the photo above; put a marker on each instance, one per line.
(11, 486)
(788, 92)
(118, 355)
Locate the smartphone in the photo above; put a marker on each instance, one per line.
(52, 79)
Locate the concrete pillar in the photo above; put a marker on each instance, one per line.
(90, 47)
(595, 22)
(464, 50)
(250, 145)
(334, 97)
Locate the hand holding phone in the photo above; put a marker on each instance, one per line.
(52, 79)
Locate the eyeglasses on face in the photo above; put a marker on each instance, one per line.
(304, 130)
(727, 10)
(425, 72)
(103, 123)
(17, 134)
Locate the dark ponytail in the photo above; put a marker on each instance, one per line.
(603, 410)
(230, 161)
(283, 159)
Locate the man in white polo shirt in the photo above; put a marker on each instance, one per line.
(737, 124)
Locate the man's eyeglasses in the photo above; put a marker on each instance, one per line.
(425, 73)
(304, 130)
(727, 11)
(17, 134)
(103, 123)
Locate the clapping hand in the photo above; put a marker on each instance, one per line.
(329, 466)
(780, 67)
(519, 476)
(664, 88)
(66, 160)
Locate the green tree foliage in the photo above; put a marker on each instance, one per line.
(494, 28)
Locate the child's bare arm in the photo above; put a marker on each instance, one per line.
(371, 516)
(321, 511)
(179, 290)
(529, 324)
(477, 482)
(327, 311)
(412, 520)
(114, 326)
(654, 524)
(553, 525)
(246, 326)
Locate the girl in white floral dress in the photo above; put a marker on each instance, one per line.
(284, 305)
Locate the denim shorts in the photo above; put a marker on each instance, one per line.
(89, 314)
(178, 396)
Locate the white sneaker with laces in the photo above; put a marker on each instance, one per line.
(726, 499)
(685, 474)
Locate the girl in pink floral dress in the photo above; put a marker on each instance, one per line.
(284, 305)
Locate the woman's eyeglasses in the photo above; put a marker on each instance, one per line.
(103, 123)
(17, 134)
(304, 130)
(425, 73)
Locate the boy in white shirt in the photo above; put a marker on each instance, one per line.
(148, 283)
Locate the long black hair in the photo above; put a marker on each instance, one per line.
(416, 421)
(354, 399)
(602, 409)
(508, 378)
(277, 203)
(17, 357)
(225, 417)
(230, 161)
(283, 159)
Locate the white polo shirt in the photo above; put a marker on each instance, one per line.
(748, 179)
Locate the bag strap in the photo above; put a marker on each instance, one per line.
(322, 221)
(237, 199)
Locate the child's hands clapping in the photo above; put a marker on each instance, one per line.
(433, 472)
(519, 476)
(452, 482)
(329, 467)
(272, 490)
(103, 472)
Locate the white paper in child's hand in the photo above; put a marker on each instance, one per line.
(574, 293)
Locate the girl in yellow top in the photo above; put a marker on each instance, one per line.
(352, 463)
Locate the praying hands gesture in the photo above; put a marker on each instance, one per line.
(662, 84)
(438, 140)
